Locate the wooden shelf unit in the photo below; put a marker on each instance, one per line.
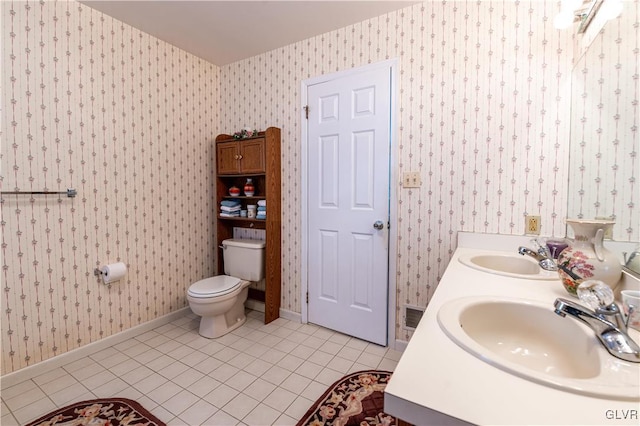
(257, 158)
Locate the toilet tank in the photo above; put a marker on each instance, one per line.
(244, 259)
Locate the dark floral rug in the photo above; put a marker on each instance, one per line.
(107, 411)
(356, 399)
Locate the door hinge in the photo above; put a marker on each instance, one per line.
(306, 111)
(307, 298)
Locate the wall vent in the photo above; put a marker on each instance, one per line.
(412, 316)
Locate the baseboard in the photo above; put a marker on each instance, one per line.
(31, 371)
(400, 345)
(254, 305)
(290, 315)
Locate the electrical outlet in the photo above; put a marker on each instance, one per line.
(411, 180)
(532, 225)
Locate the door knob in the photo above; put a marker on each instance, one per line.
(378, 224)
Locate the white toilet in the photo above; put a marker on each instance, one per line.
(220, 300)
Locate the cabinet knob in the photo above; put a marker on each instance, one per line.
(237, 157)
(240, 157)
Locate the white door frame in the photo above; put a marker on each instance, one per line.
(393, 191)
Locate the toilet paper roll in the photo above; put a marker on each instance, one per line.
(113, 272)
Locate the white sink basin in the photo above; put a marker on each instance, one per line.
(529, 340)
(515, 266)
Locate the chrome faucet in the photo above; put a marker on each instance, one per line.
(542, 256)
(612, 336)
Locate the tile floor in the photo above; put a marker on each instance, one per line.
(257, 375)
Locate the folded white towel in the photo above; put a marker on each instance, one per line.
(262, 203)
(230, 209)
(230, 214)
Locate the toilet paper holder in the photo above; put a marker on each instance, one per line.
(97, 272)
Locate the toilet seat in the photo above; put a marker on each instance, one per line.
(214, 286)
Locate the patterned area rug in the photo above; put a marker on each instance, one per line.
(356, 399)
(108, 411)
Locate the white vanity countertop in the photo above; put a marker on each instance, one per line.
(435, 376)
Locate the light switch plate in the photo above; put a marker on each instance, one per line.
(411, 180)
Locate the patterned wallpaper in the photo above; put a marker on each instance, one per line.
(128, 121)
(484, 95)
(483, 115)
(605, 116)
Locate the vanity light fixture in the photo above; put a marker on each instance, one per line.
(584, 11)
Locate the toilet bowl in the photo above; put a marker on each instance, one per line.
(219, 300)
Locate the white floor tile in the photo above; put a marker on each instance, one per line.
(314, 390)
(8, 420)
(320, 358)
(328, 376)
(49, 376)
(276, 375)
(295, 383)
(188, 378)
(302, 351)
(174, 369)
(221, 395)
(159, 364)
(34, 410)
(148, 356)
(261, 415)
(164, 392)
(280, 399)
(58, 384)
(298, 407)
(198, 413)
(309, 369)
(180, 402)
(240, 380)
(98, 379)
(123, 367)
(257, 375)
(194, 358)
(220, 418)
(258, 367)
(224, 372)
(22, 395)
(71, 394)
(87, 371)
(203, 386)
(114, 360)
(240, 406)
(285, 420)
(109, 389)
(149, 383)
(260, 389)
(135, 375)
(273, 356)
(290, 362)
(241, 360)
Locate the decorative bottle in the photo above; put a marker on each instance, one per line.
(586, 258)
(249, 189)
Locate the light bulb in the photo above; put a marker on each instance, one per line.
(563, 20)
(611, 9)
(571, 5)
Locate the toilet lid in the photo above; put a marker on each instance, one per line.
(214, 286)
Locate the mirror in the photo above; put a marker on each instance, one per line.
(604, 163)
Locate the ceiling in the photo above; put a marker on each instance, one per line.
(223, 32)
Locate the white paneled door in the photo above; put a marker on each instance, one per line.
(348, 202)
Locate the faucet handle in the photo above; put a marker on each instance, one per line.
(595, 293)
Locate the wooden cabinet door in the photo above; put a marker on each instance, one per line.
(227, 157)
(252, 156)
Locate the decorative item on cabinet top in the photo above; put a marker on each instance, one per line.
(241, 156)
